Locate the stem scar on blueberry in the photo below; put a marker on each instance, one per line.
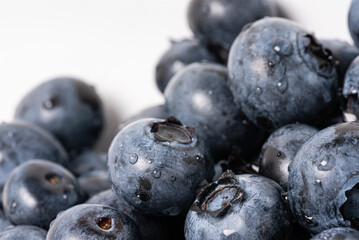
(216, 199)
(172, 130)
(105, 223)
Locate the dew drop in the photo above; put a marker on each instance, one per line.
(259, 90)
(198, 157)
(282, 47)
(279, 154)
(210, 92)
(156, 173)
(10, 134)
(137, 199)
(150, 161)
(48, 104)
(318, 181)
(326, 163)
(133, 158)
(271, 64)
(282, 85)
(64, 196)
(121, 145)
(13, 207)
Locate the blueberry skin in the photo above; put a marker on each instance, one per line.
(150, 227)
(68, 108)
(156, 165)
(4, 222)
(88, 161)
(337, 234)
(92, 221)
(344, 53)
(23, 232)
(279, 151)
(199, 96)
(37, 191)
(179, 55)
(20, 142)
(244, 206)
(353, 21)
(351, 89)
(157, 111)
(94, 182)
(322, 176)
(217, 22)
(269, 62)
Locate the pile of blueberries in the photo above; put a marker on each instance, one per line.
(258, 139)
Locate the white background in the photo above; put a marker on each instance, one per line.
(113, 44)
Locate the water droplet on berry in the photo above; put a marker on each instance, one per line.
(282, 85)
(48, 104)
(259, 90)
(156, 173)
(327, 162)
(13, 207)
(282, 47)
(133, 158)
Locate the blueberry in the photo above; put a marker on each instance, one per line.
(23, 232)
(20, 142)
(156, 165)
(279, 151)
(157, 111)
(68, 108)
(351, 91)
(92, 221)
(199, 96)
(88, 161)
(94, 182)
(279, 74)
(323, 181)
(150, 227)
(4, 222)
(37, 191)
(353, 21)
(344, 53)
(217, 22)
(179, 55)
(337, 234)
(239, 207)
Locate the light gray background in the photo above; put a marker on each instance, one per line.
(113, 44)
